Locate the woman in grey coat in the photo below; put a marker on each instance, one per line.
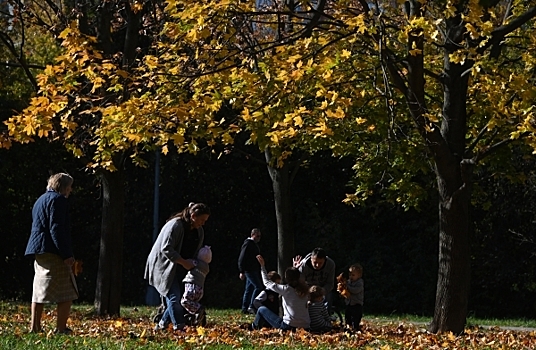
(172, 255)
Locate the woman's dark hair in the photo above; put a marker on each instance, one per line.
(193, 208)
(292, 276)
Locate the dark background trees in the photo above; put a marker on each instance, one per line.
(380, 236)
(397, 248)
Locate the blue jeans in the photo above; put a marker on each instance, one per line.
(174, 311)
(265, 315)
(254, 287)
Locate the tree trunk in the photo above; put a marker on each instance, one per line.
(453, 280)
(453, 168)
(285, 234)
(108, 290)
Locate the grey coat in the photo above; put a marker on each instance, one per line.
(357, 292)
(160, 269)
(325, 277)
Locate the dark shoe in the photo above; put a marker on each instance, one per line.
(189, 319)
(179, 328)
(251, 311)
(201, 317)
(159, 313)
(65, 331)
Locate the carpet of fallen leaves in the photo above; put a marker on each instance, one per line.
(231, 330)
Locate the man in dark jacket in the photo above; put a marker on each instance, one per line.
(250, 270)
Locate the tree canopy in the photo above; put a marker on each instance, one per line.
(409, 88)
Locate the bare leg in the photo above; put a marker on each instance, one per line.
(37, 311)
(64, 308)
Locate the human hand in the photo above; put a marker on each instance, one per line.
(296, 262)
(261, 260)
(242, 276)
(189, 264)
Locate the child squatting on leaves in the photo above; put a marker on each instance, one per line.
(194, 282)
(318, 310)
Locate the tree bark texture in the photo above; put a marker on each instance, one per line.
(453, 279)
(454, 176)
(283, 211)
(108, 286)
(446, 143)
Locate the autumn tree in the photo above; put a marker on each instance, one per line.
(410, 89)
(101, 42)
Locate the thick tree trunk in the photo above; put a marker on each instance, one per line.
(453, 171)
(453, 168)
(453, 280)
(285, 234)
(108, 290)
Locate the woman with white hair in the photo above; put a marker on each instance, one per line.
(50, 245)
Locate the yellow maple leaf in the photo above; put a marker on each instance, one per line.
(178, 139)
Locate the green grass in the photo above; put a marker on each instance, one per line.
(471, 321)
(225, 330)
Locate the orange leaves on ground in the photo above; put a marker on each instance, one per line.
(233, 331)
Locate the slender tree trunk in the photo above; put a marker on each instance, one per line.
(108, 290)
(285, 233)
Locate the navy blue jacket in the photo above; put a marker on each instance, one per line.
(50, 226)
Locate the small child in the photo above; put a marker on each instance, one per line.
(354, 302)
(193, 288)
(268, 297)
(318, 310)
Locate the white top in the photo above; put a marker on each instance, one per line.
(295, 312)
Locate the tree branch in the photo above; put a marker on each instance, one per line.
(18, 65)
(491, 149)
(498, 35)
(22, 61)
(317, 14)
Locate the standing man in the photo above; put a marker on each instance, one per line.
(250, 270)
(317, 269)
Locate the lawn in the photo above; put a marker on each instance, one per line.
(226, 329)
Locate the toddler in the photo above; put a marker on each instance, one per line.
(354, 301)
(318, 310)
(193, 288)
